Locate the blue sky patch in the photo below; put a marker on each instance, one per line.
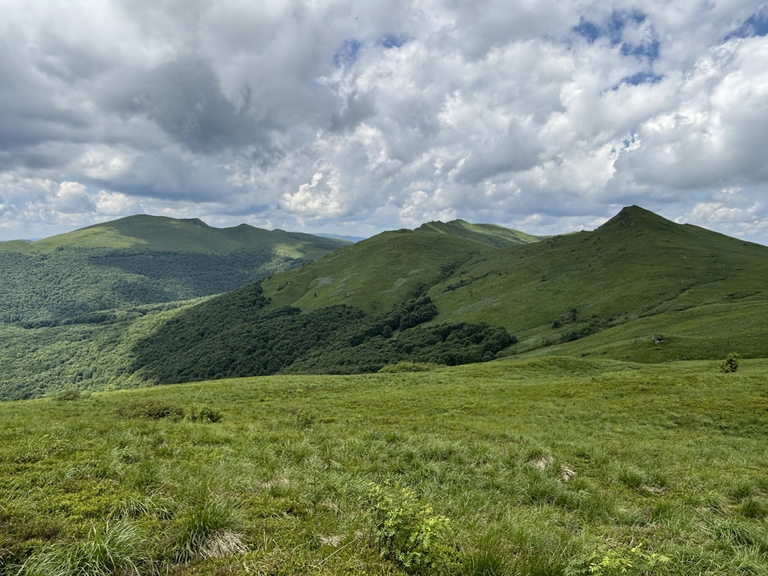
(589, 30)
(755, 25)
(613, 29)
(648, 50)
(645, 77)
(393, 40)
(347, 53)
(618, 21)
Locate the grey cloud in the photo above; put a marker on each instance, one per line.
(29, 113)
(184, 98)
(238, 105)
(517, 150)
(170, 174)
(70, 63)
(357, 107)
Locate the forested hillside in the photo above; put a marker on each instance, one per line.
(236, 336)
(140, 260)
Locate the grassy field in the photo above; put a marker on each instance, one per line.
(544, 466)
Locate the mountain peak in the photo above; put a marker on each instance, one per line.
(635, 216)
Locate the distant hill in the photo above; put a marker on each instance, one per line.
(342, 237)
(489, 234)
(637, 277)
(140, 260)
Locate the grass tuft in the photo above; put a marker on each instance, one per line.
(204, 531)
(115, 548)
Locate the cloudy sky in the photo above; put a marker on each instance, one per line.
(355, 117)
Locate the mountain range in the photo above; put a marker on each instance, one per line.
(141, 260)
(638, 288)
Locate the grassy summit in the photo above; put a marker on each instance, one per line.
(490, 234)
(160, 233)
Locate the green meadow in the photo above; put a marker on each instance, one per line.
(544, 466)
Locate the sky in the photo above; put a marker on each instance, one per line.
(334, 116)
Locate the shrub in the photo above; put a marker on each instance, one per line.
(406, 532)
(68, 396)
(154, 410)
(610, 561)
(203, 413)
(730, 364)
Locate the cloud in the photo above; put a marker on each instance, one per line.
(365, 115)
(319, 198)
(71, 198)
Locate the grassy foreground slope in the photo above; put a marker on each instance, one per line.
(141, 260)
(541, 467)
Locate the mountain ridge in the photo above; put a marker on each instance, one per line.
(491, 234)
(639, 288)
(142, 259)
(635, 276)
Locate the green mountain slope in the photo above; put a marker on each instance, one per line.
(140, 260)
(639, 288)
(637, 264)
(490, 234)
(636, 275)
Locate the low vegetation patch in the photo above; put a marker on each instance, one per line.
(407, 532)
(408, 367)
(202, 413)
(236, 335)
(153, 409)
(730, 364)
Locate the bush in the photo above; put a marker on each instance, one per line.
(613, 561)
(730, 364)
(203, 413)
(154, 410)
(406, 532)
(69, 395)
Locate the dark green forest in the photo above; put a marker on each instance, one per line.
(48, 289)
(234, 336)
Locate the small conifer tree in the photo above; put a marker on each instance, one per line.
(731, 363)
